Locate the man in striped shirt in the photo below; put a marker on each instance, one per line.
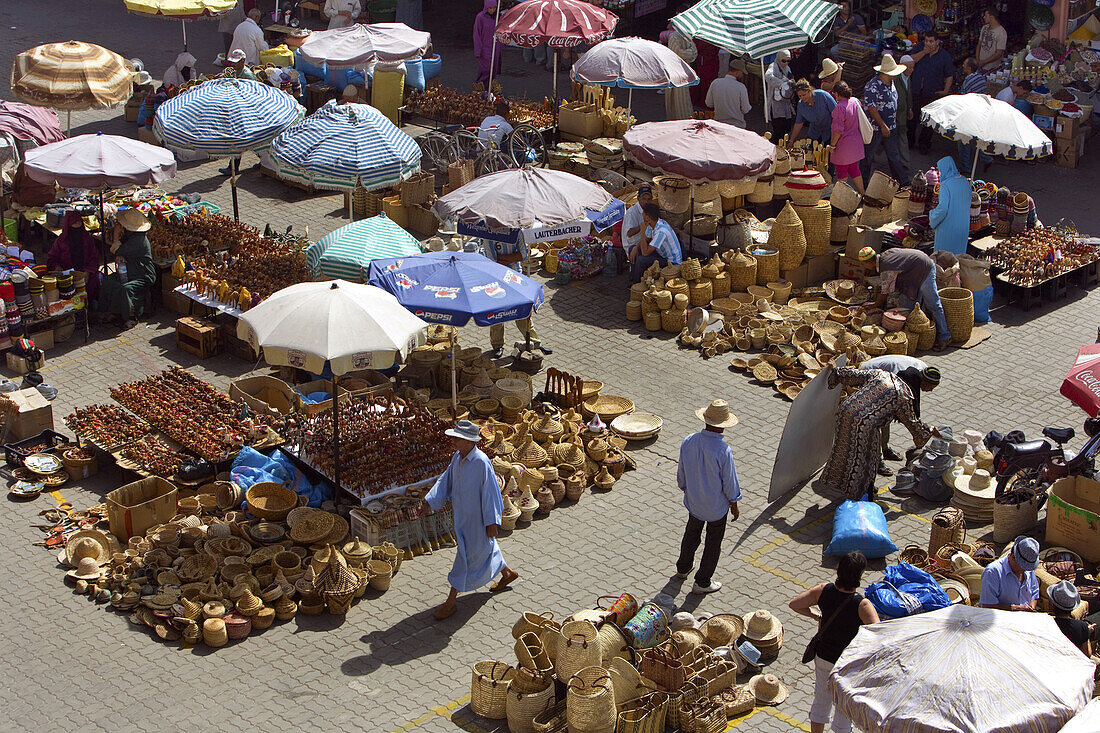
(974, 83)
(658, 243)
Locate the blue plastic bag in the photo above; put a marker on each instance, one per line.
(414, 74)
(905, 578)
(432, 66)
(251, 467)
(982, 300)
(307, 68)
(860, 525)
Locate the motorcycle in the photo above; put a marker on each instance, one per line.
(1046, 460)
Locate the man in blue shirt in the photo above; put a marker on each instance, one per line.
(974, 83)
(932, 78)
(1010, 583)
(708, 479)
(658, 243)
(881, 99)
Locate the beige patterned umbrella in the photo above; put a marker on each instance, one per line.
(71, 76)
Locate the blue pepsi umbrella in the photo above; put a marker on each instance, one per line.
(453, 287)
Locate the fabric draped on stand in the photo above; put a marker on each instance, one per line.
(75, 249)
(678, 100)
(880, 398)
(471, 486)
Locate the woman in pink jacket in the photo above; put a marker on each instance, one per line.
(485, 25)
(847, 140)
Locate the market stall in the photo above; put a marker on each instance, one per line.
(633, 63)
(347, 252)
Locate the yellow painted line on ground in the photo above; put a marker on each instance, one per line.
(786, 718)
(436, 712)
(753, 558)
(58, 497)
(738, 721)
(121, 342)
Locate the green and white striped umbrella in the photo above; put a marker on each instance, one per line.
(347, 252)
(757, 27)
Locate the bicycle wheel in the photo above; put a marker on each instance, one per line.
(491, 161)
(436, 152)
(468, 144)
(526, 146)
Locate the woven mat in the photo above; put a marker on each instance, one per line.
(977, 335)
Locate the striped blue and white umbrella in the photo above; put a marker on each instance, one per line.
(340, 143)
(226, 117)
(757, 27)
(347, 252)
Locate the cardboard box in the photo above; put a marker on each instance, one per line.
(578, 118)
(1066, 128)
(265, 394)
(43, 339)
(19, 365)
(820, 269)
(796, 276)
(860, 236)
(318, 385)
(131, 112)
(849, 268)
(1073, 516)
(134, 508)
(35, 414)
(1043, 122)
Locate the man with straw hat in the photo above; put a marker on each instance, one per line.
(881, 99)
(918, 376)
(123, 291)
(470, 484)
(708, 478)
(1009, 583)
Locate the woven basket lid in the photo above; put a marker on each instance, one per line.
(530, 454)
(568, 453)
(895, 337)
(917, 320)
(847, 340)
(787, 217)
(742, 260)
(547, 425)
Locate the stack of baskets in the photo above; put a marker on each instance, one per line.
(920, 330)
(742, 270)
(817, 223)
(767, 261)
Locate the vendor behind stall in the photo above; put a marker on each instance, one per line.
(632, 219)
(1009, 583)
(180, 72)
(658, 243)
(495, 127)
(124, 290)
(75, 249)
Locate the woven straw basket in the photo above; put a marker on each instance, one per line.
(673, 321)
(947, 526)
(874, 216)
(817, 225)
(838, 229)
(1012, 520)
(674, 194)
(767, 267)
(489, 689)
(633, 310)
(896, 343)
(720, 285)
(742, 271)
(762, 191)
(958, 308)
(700, 293)
(590, 701)
(899, 206)
(844, 198)
(788, 237)
(691, 269)
(521, 708)
(739, 187)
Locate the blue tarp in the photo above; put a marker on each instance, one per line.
(252, 467)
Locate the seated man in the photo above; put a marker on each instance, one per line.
(1064, 598)
(658, 243)
(1009, 583)
(496, 127)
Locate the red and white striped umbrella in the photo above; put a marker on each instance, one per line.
(557, 23)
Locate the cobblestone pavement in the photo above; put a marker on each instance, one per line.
(387, 666)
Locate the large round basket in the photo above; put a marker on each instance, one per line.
(672, 321)
(489, 689)
(590, 701)
(899, 206)
(700, 293)
(838, 229)
(958, 308)
(674, 194)
(873, 215)
(607, 406)
(762, 191)
(1012, 520)
(269, 500)
(742, 271)
(817, 225)
(897, 343)
(767, 266)
(788, 237)
(702, 225)
(738, 187)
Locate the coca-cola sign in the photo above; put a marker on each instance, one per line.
(1090, 380)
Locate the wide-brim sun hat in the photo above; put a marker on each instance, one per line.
(76, 547)
(717, 414)
(768, 689)
(846, 292)
(133, 220)
(889, 66)
(465, 430)
(762, 626)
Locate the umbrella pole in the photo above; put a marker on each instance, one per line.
(492, 64)
(629, 101)
(336, 433)
(103, 231)
(974, 168)
(183, 24)
(454, 380)
(764, 88)
(233, 187)
(555, 81)
(69, 123)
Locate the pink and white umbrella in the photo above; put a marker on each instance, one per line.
(557, 23)
(699, 150)
(27, 122)
(355, 46)
(1082, 384)
(633, 63)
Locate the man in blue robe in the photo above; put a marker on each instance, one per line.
(471, 486)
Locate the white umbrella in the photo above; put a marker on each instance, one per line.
(1086, 721)
(633, 63)
(997, 127)
(962, 669)
(355, 46)
(348, 325)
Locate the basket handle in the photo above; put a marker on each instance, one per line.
(584, 639)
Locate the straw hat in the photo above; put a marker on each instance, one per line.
(978, 484)
(847, 292)
(889, 66)
(828, 68)
(88, 543)
(762, 626)
(717, 414)
(957, 590)
(767, 688)
(86, 569)
(312, 527)
(133, 220)
(984, 459)
(687, 639)
(723, 629)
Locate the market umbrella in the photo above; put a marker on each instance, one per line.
(347, 252)
(521, 198)
(1082, 384)
(996, 127)
(28, 122)
(699, 150)
(71, 76)
(348, 325)
(225, 118)
(557, 23)
(962, 668)
(454, 287)
(99, 162)
(633, 63)
(182, 10)
(757, 28)
(340, 144)
(356, 45)
(1086, 721)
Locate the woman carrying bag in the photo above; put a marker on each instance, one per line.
(842, 610)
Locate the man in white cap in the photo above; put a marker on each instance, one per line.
(470, 484)
(1010, 583)
(708, 479)
(249, 37)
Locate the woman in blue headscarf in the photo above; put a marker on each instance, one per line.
(951, 217)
